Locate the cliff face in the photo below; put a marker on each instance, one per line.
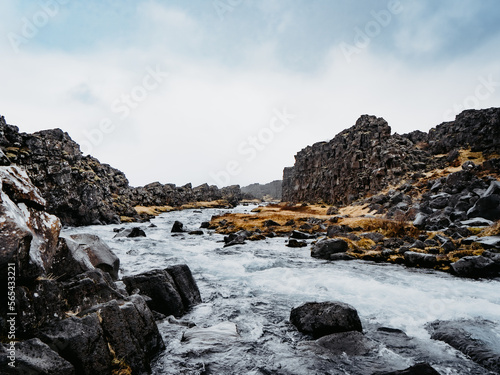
(360, 160)
(259, 191)
(366, 158)
(82, 191)
(78, 189)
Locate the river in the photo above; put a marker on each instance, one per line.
(251, 288)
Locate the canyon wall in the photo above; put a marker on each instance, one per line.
(366, 158)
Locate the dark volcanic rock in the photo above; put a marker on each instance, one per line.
(351, 343)
(476, 266)
(414, 259)
(271, 190)
(237, 238)
(294, 243)
(178, 227)
(321, 319)
(34, 357)
(325, 248)
(81, 342)
(488, 206)
(131, 233)
(418, 369)
(480, 340)
(298, 235)
(171, 291)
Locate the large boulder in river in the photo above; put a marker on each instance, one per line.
(325, 248)
(325, 318)
(479, 340)
(172, 291)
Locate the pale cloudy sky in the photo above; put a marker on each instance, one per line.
(227, 91)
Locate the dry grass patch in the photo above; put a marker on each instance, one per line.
(387, 227)
(493, 230)
(153, 210)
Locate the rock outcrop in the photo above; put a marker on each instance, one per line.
(269, 191)
(80, 190)
(366, 158)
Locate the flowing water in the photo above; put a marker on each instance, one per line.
(248, 291)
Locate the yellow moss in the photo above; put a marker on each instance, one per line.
(475, 231)
(126, 219)
(365, 243)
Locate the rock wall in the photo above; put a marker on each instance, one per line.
(78, 189)
(260, 191)
(82, 191)
(366, 158)
(359, 161)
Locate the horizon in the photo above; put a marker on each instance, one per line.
(243, 85)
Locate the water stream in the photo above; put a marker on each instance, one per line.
(251, 288)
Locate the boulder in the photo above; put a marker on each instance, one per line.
(34, 357)
(298, 235)
(205, 225)
(237, 238)
(172, 291)
(341, 256)
(475, 266)
(323, 249)
(418, 369)
(178, 227)
(326, 318)
(414, 259)
(185, 284)
(131, 233)
(88, 248)
(352, 343)
(479, 340)
(271, 223)
(488, 206)
(81, 342)
(294, 243)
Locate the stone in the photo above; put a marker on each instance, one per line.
(196, 232)
(237, 238)
(477, 222)
(418, 369)
(271, 223)
(488, 206)
(341, 256)
(172, 291)
(414, 259)
(325, 248)
(81, 342)
(185, 284)
(351, 343)
(478, 340)
(321, 319)
(89, 251)
(205, 225)
(301, 235)
(294, 243)
(178, 227)
(476, 266)
(34, 357)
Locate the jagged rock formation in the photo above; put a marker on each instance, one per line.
(271, 190)
(366, 158)
(78, 189)
(156, 194)
(360, 160)
(82, 191)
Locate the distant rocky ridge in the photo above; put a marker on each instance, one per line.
(366, 158)
(82, 191)
(271, 190)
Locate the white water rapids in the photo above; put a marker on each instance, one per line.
(254, 286)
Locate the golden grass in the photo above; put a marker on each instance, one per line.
(493, 230)
(153, 210)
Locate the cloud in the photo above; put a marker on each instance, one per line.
(226, 80)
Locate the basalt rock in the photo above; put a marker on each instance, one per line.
(269, 191)
(366, 158)
(322, 319)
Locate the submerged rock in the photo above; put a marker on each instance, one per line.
(321, 319)
(294, 243)
(178, 227)
(480, 340)
(418, 369)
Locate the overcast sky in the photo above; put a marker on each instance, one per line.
(228, 91)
